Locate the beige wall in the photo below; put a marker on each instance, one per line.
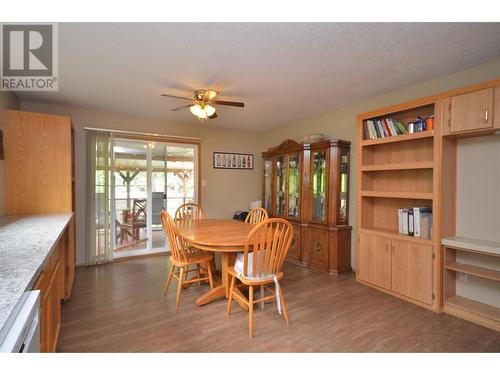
(478, 188)
(7, 101)
(341, 123)
(225, 191)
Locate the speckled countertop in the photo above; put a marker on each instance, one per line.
(26, 243)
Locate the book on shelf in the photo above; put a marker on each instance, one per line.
(411, 222)
(390, 127)
(415, 221)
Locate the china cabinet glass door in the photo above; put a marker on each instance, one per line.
(319, 186)
(268, 166)
(293, 185)
(344, 186)
(280, 185)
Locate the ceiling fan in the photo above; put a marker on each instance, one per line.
(201, 103)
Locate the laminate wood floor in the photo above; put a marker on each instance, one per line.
(120, 308)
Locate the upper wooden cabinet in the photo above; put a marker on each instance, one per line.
(38, 163)
(471, 111)
(308, 184)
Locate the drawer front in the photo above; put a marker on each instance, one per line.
(295, 248)
(318, 249)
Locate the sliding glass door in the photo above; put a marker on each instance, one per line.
(147, 178)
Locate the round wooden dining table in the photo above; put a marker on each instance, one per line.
(226, 237)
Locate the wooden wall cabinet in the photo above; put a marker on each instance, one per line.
(38, 163)
(39, 179)
(472, 112)
(308, 184)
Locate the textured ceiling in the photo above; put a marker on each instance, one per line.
(282, 71)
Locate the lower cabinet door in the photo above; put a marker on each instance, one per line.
(318, 247)
(294, 252)
(374, 260)
(412, 270)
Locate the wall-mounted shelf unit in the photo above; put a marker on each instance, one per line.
(486, 253)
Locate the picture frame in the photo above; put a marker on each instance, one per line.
(233, 160)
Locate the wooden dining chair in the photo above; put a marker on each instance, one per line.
(265, 251)
(190, 211)
(256, 216)
(182, 258)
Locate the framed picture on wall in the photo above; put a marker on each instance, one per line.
(231, 160)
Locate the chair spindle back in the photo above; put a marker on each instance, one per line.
(269, 242)
(190, 211)
(176, 243)
(256, 216)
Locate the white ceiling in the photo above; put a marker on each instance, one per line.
(282, 71)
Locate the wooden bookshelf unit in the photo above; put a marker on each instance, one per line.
(397, 172)
(419, 169)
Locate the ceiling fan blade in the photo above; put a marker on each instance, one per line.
(232, 104)
(181, 107)
(210, 94)
(176, 97)
(213, 116)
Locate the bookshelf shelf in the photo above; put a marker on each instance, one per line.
(397, 194)
(471, 306)
(395, 235)
(397, 166)
(474, 270)
(397, 138)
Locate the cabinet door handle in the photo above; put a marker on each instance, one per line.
(318, 247)
(486, 116)
(392, 249)
(387, 248)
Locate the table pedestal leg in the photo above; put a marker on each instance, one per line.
(227, 259)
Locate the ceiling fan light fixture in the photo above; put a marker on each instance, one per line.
(198, 111)
(209, 110)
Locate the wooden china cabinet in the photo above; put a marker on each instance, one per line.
(308, 184)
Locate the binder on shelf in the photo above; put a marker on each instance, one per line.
(425, 222)
(404, 221)
(400, 220)
(411, 222)
(416, 221)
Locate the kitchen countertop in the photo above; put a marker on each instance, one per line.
(26, 243)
